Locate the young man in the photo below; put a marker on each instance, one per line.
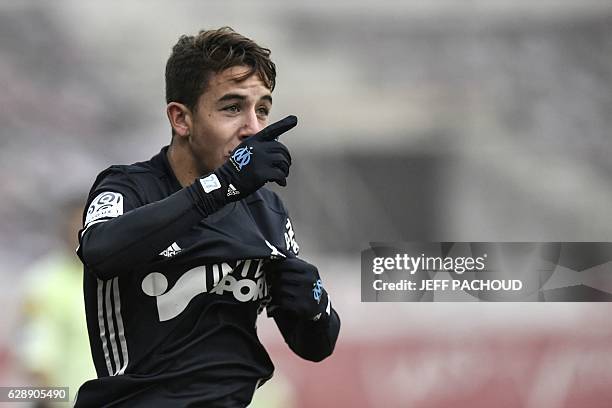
(182, 252)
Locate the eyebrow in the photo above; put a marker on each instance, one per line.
(234, 96)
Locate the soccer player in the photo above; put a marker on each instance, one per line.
(183, 251)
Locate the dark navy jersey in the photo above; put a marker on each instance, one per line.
(180, 329)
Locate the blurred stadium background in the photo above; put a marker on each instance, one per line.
(482, 120)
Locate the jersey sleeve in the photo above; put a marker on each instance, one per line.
(311, 340)
(112, 195)
(122, 231)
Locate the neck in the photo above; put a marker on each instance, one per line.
(182, 165)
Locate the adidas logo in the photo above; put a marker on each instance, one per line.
(171, 250)
(231, 190)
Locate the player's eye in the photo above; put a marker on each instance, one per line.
(232, 109)
(263, 111)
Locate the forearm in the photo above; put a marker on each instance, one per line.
(137, 236)
(311, 340)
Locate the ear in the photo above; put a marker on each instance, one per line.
(180, 118)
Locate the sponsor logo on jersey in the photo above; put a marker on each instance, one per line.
(245, 289)
(245, 282)
(171, 250)
(241, 157)
(106, 205)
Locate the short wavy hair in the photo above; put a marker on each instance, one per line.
(195, 58)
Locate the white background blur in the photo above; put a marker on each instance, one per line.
(438, 120)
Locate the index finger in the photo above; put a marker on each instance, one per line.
(276, 129)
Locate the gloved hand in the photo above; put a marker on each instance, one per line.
(295, 285)
(257, 160)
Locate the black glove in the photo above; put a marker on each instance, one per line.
(259, 159)
(295, 285)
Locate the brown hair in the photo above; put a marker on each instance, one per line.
(195, 58)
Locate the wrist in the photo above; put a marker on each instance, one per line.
(323, 309)
(229, 190)
(208, 193)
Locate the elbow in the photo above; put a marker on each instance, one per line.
(91, 252)
(317, 358)
(95, 257)
(327, 343)
(91, 260)
(316, 354)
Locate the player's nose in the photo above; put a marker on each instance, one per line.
(250, 126)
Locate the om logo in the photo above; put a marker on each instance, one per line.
(241, 157)
(317, 290)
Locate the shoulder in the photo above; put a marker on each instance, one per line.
(140, 171)
(135, 177)
(120, 188)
